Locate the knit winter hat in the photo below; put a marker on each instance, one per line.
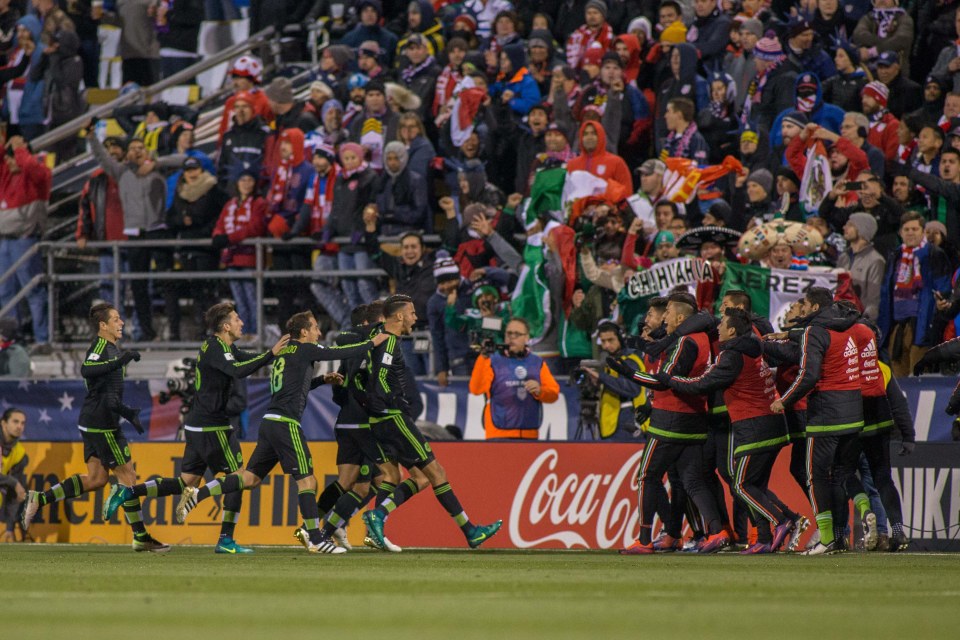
(796, 26)
(768, 48)
(640, 24)
(851, 50)
(444, 267)
(936, 225)
(878, 91)
(675, 33)
(593, 55)
(599, 5)
(796, 117)
(754, 26)
(866, 225)
(763, 178)
(789, 174)
(341, 54)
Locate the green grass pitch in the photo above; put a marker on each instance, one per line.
(76, 592)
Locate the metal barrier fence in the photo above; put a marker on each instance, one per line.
(259, 274)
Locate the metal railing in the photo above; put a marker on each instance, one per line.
(70, 128)
(259, 274)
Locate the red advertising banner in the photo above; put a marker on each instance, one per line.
(549, 496)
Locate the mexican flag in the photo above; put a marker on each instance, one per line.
(772, 291)
(531, 297)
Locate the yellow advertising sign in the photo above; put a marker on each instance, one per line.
(269, 514)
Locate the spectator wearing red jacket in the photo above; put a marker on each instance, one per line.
(244, 216)
(594, 157)
(24, 195)
(883, 124)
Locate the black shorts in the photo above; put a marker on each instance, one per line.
(359, 447)
(218, 451)
(281, 440)
(397, 434)
(106, 445)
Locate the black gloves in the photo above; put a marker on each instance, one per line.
(926, 362)
(132, 416)
(906, 448)
(620, 367)
(220, 241)
(127, 356)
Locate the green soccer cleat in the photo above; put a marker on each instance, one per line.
(148, 543)
(229, 545)
(373, 544)
(374, 522)
(30, 507)
(483, 532)
(118, 495)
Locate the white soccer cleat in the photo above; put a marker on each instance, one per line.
(340, 537)
(188, 502)
(325, 546)
(30, 507)
(389, 546)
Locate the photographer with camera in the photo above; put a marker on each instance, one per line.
(619, 396)
(515, 383)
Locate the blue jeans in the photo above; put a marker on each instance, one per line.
(417, 362)
(10, 251)
(106, 286)
(876, 505)
(328, 294)
(358, 290)
(245, 297)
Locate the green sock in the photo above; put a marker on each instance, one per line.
(862, 502)
(825, 525)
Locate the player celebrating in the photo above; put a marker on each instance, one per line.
(104, 447)
(830, 372)
(281, 438)
(758, 434)
(211, 440)
(393, 427)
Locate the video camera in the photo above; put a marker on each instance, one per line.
(483, 342)
(181, 383)
(589, 395)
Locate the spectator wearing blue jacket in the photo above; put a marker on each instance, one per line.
(451, 348)
(805, 52)
(915, 270)
(808, 94)
(515, 84)
(369, 28)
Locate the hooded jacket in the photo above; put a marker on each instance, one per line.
(632, 69)
(31, 110)
(688, 85)
(826, 115)
(829, 372)
(241, 150)
(238, 221)
(402, 197)
(748, 391)
(521, 82)
(600, 162)
(297, 181)
(430, 28)
(710, 34)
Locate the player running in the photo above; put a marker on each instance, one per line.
(104, 446)
(211, 441)
(394, 427)
(281, 438)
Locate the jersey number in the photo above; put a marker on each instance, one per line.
(276, 376)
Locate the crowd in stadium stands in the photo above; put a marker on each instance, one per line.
(543, 141)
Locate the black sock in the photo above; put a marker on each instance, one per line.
(328, 497)
(448, 500)
(307, 499)
(404, 491)
(227, 484)
(131, 509)
(231, 513)
(384, 489)
(69, 488)
(158, 488)
(342, 511)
